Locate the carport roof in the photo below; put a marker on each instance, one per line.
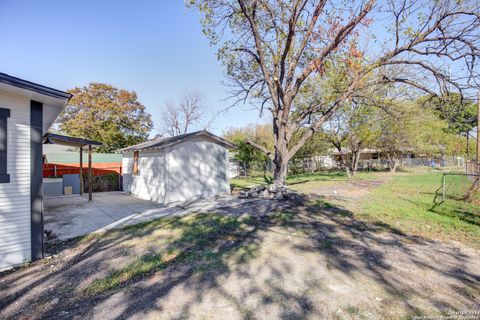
(164, 142)
(53, 138)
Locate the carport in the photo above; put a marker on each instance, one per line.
(52, 138)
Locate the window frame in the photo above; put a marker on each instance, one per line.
(135, 162)
(4, 115)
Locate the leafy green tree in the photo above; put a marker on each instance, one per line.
(460, 114)
(353, 128)
(410, 128)
(311, 152)
(245, 153)
(106, 114)
(363, 130)
(270, 50)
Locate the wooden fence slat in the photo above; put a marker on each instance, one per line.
(99, 169)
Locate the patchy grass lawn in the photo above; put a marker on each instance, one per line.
(412, 203)
(408, 201)
(302, 182)
(306, 182)
(190, 239)
(369, 259)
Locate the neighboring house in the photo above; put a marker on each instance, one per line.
(366, 154)
(184, 167)
(27, 110)
(234, 166)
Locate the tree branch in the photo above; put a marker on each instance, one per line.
(261, 148)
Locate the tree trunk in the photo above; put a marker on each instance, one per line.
(280, 156)
(354, 162)
(392, 163)
(345, 164)
(474, 188)
(468, 146)
(280, 170)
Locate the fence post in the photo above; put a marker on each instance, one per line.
(119, 177)
(443, 187)
(55, 170)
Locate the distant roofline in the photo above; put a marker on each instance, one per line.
(31, 86)
(165, 142)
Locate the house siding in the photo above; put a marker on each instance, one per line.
(15, 242)
(196, 169)
(149, 183)
(193, 169)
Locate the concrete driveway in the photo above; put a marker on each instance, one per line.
(72, 216)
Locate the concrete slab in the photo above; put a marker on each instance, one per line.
(73, 216)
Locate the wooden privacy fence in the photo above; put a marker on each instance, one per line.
(51, 170)
(108, 182)
(105, 176)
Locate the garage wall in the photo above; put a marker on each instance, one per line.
(193, 169)
(15, 196)
(196, 168)
(149, 184)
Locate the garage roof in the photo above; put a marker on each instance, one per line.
(165, 142)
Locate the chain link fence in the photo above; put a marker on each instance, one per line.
(459, 186)
(325, 164)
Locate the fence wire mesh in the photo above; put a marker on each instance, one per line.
(460, 187)
(319, 164)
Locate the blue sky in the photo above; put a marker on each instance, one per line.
(153, 47)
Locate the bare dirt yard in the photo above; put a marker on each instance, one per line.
(260, 260)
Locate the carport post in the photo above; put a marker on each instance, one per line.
(81, 170)
(89, 172)
(119, 177)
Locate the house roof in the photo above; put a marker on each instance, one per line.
(31, 86)
(53, 138)
(347, 150)
(165, 142)
(53, 100)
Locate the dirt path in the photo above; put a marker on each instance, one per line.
(348, 193)
(300, 262)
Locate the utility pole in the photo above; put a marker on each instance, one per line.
(477, 157)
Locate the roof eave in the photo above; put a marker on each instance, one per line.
(52, 138)
(35, 87)
(225, 143)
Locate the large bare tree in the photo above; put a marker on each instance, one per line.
(272, 48)
(178, 117)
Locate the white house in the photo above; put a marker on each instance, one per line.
(185, 167)
(27, 110)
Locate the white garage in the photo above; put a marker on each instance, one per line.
(185, 167)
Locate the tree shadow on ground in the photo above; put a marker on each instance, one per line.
(288, 260)
(438, 203)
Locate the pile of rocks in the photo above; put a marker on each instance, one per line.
(262, 192)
